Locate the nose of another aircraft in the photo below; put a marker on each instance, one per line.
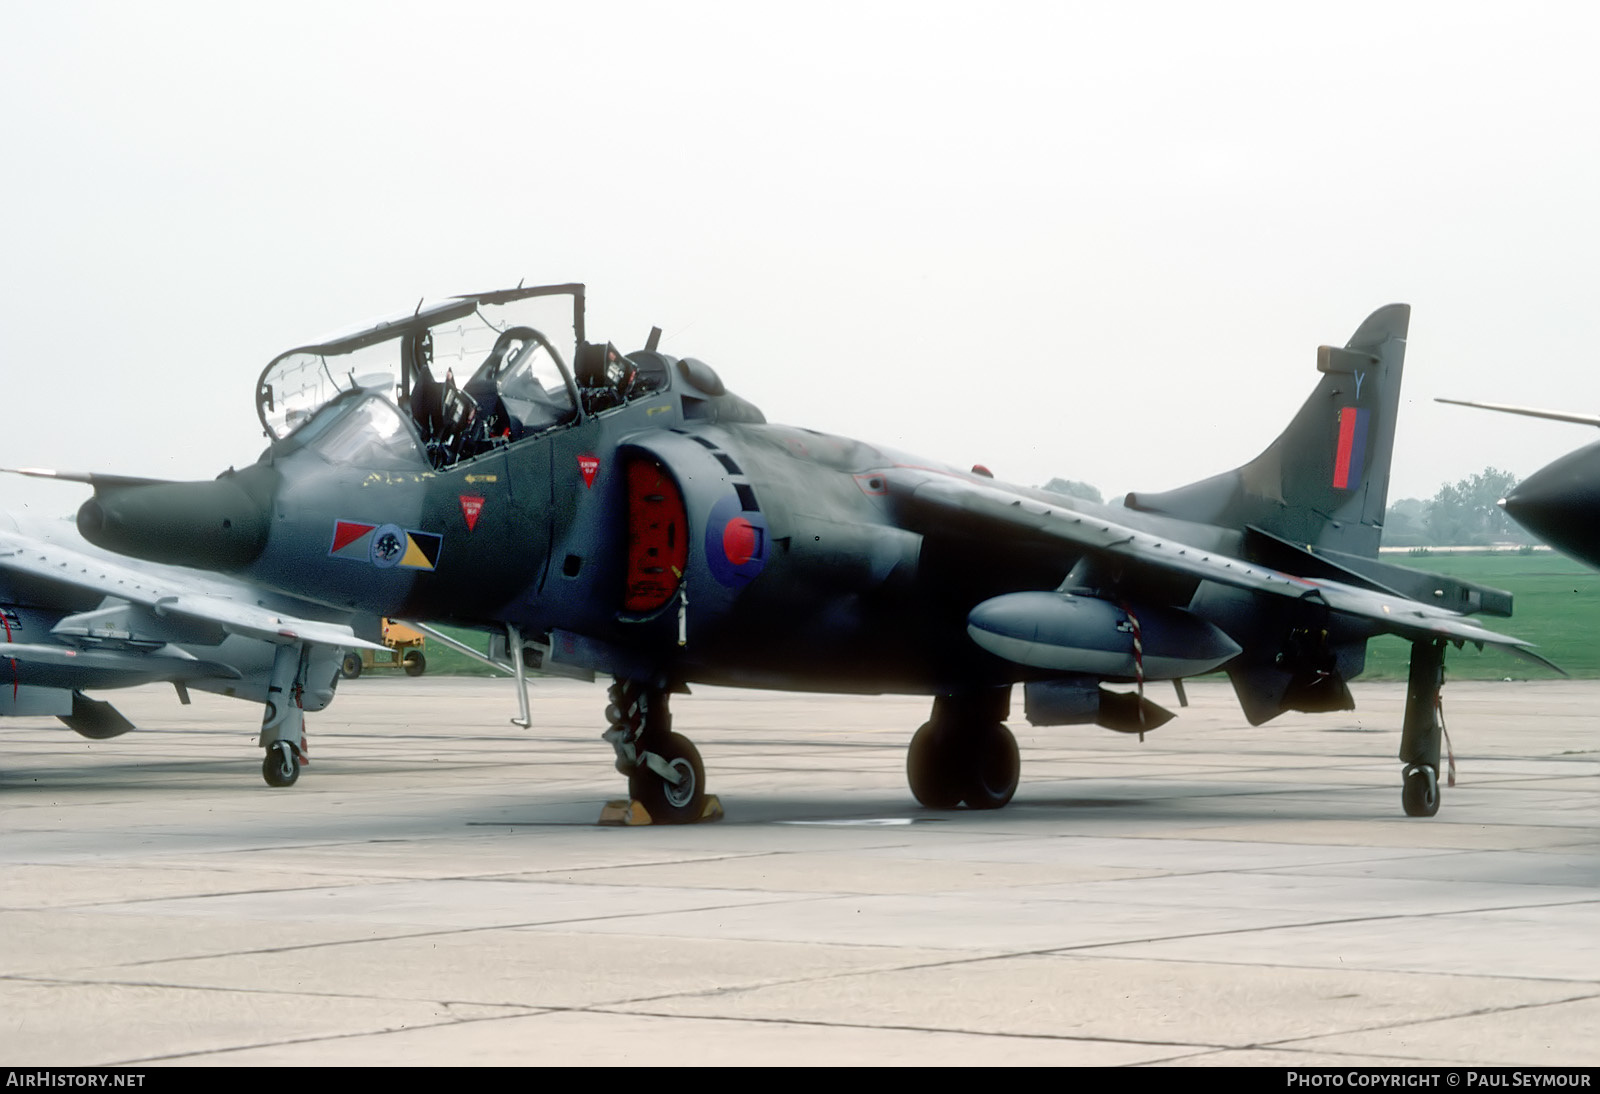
(216, 525)
(1561, 504)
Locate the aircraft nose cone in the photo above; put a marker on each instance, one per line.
(1561, 504)
(216, 525)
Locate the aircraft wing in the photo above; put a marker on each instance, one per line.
(163, 594)
(932, 503)
(42, 665)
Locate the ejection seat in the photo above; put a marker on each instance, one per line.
(608, 379)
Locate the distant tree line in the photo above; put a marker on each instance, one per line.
(1462, 514)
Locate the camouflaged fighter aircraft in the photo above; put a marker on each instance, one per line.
(79, 619)
(628, 515)
(1560, 502)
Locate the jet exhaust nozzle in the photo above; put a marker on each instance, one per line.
(217, 525)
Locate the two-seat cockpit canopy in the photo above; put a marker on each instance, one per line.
(466, 377)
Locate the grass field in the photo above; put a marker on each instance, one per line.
(1557, 605)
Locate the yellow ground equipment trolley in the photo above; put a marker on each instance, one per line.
(405, 652)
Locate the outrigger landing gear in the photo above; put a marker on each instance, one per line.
(283, 725)
(965, 753)
(664, 771)
(1420, 735)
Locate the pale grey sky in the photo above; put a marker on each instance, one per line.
(1080, 239)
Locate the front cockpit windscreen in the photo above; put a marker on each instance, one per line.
(470, 374)
(361, 429)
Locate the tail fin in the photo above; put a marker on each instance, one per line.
(1325, 480)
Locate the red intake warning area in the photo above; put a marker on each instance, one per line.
(658, 542)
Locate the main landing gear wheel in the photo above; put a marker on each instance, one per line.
(281, 766)
(414, 663)
(350, 667)
(948, 764)
(668, 803)
(933, 768)
(996, 767)
(1419, 791)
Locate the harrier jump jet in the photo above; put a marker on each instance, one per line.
(626, 514)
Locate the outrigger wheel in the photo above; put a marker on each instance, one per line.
(964, 754)
(1419, 790)
(1420, 735)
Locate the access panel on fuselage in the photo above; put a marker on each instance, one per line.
(492, 516)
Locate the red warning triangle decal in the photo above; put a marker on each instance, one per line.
(470, 508)
(590, 467)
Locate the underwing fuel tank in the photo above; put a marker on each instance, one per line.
(1085, 635)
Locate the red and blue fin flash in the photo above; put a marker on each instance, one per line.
(1349, 458)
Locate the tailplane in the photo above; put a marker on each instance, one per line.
(1325, 481)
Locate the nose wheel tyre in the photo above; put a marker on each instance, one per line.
(350, 667)
(669, 803)
(281, 767)
(1419, 791)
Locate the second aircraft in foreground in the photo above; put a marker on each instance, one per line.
(77, 619)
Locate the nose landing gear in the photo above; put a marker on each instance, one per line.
(666, 778)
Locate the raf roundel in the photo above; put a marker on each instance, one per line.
(736, 542)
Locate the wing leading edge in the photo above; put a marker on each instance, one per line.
(167, 597)
(928, 504)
